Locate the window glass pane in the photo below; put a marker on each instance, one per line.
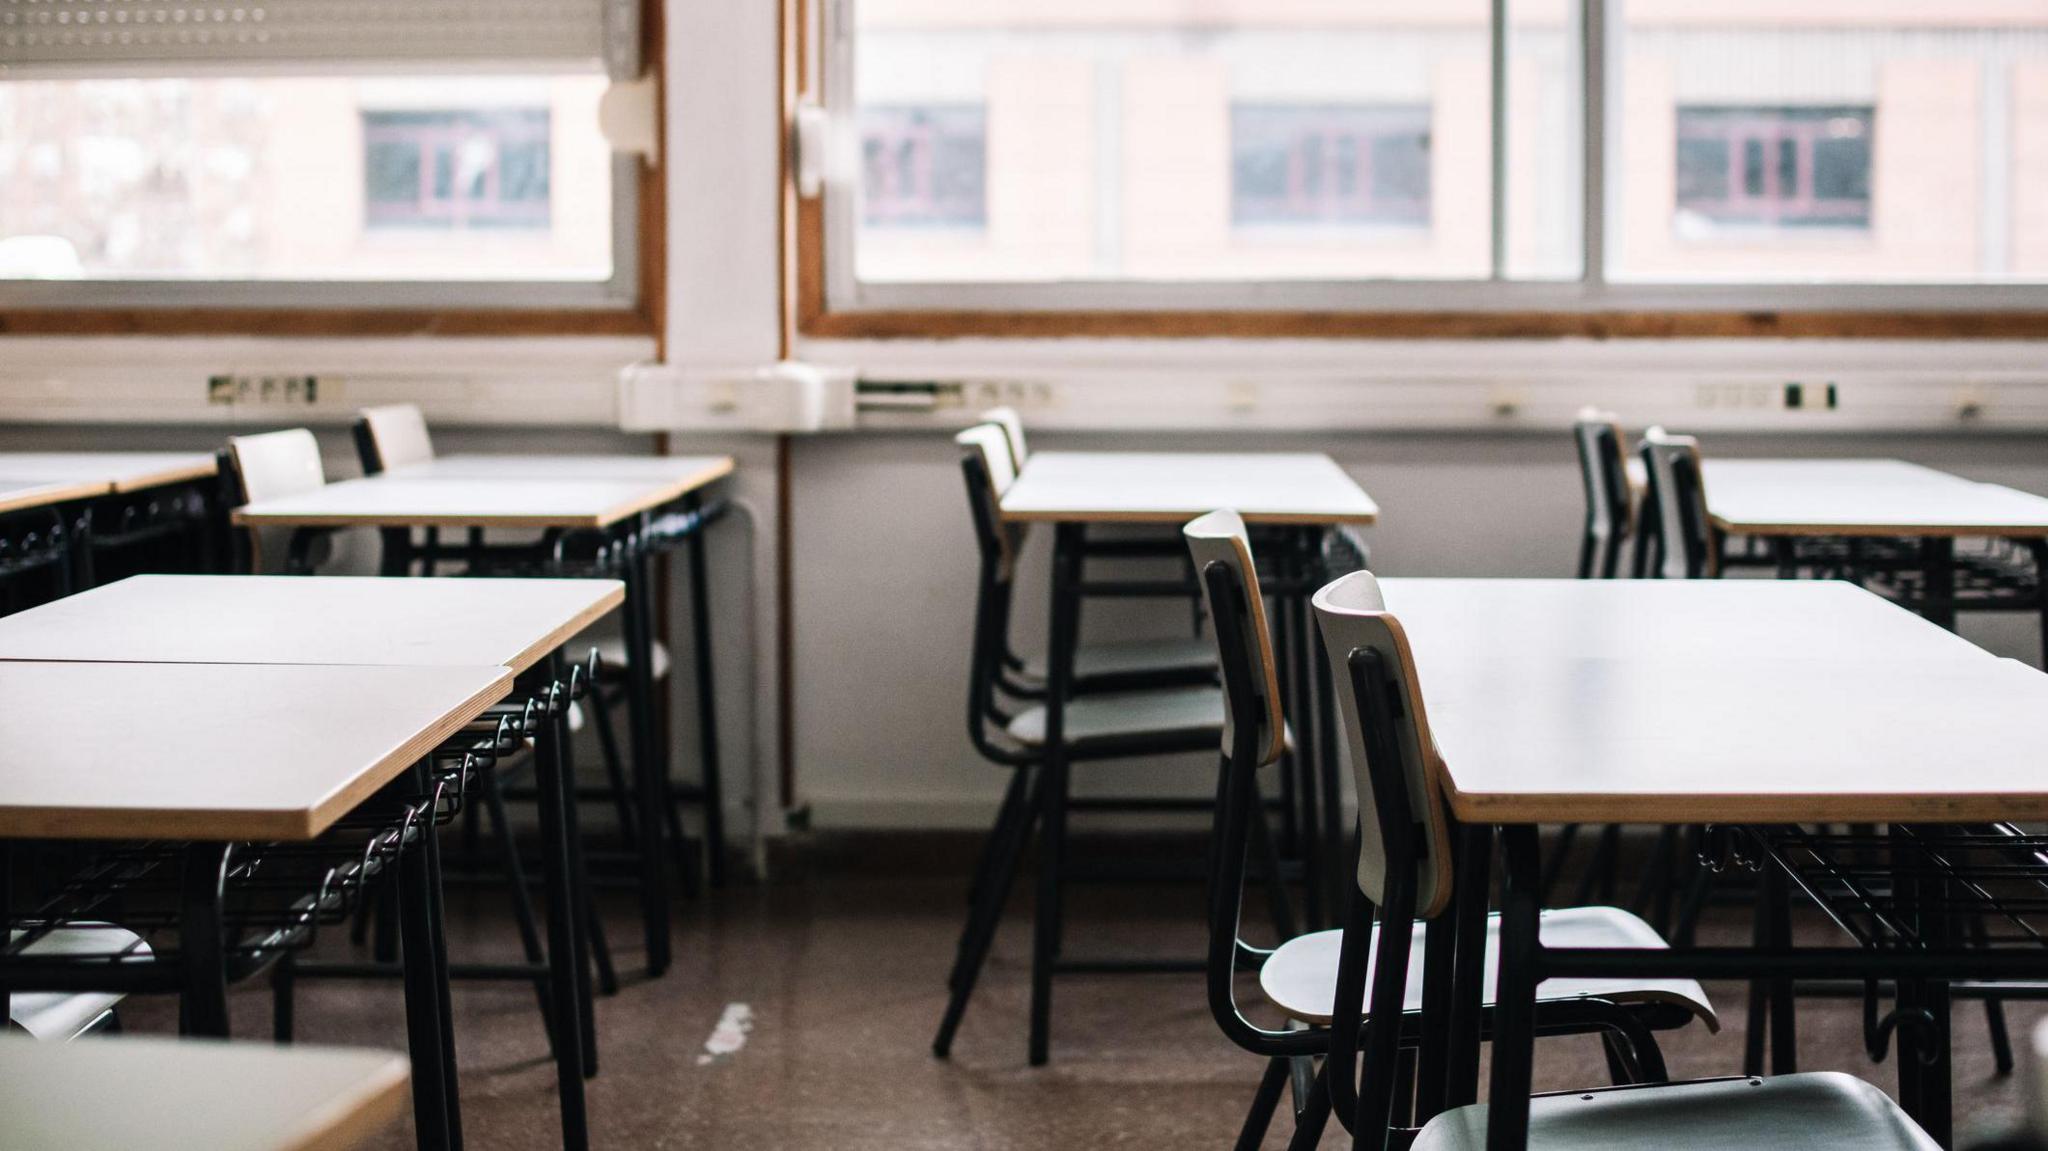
(305, 178)
(1545, 209)
(1895, 142)
(1047, 140)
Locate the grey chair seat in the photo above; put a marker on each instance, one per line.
(1817, 1111)
(64, 1015)
(613, 659)
(1161, 713)
(1300, 978)
(1139, 657)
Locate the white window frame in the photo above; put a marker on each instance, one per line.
(1592, 292)
(620, 291)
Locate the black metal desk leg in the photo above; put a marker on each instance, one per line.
(1473, 888)
(707, 703)
(437, 921)
(1066, 595)
(1937, 927)
(550, 787)
(202, 942)
(6, 917)
(432, 1090)
(1521, 956)
(649, 764)
(1938, 588)
(1784, 1017)
(579, 878)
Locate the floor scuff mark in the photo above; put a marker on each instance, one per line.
(730, 1035)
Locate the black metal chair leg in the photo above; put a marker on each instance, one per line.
(1259, 1119)
(1994, 1012)
(515, 878)
(1313, 1116)
(707, 706)
(614, 769)
(983, 920)
(1014, 799)
(1045, 935)
(283, 1000)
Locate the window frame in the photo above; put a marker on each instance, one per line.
(629, 303)
(830, 303)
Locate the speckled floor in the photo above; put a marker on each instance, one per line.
(845, 980)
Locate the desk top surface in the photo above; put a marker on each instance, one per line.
(311, 620)
(684, 473)
(216, 752)
(1800, 705)
(1867, 497)
(118, 1094)
(1173, 487)
(116, 471)
(404, 500)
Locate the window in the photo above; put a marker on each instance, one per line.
(1332, 155)
(453, 158)
(446, 169)
(1329, 164)
(924, 167)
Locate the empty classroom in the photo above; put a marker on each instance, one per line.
(1024, 574)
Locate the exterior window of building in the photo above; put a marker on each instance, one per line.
(1773, 167)
(456, 169)
(924, 166)
(1329, 164)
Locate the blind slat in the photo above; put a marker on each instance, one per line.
(101, 37)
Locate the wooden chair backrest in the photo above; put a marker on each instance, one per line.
(985, 454)
(277, 464)
(1352, 614)
(1603, 468)
(1013, 431)
(398, 435)
(1220, 538)
(1678, 488)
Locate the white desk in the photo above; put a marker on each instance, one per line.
(311, 620)
(1699, 721)
(1872, 497)
(1174, 487)
(128, 1093)
(409, 501)
(216, 752)
(116, 472)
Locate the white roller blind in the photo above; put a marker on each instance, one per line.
(131, 37)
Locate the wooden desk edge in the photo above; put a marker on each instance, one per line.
(412, 751)
(1293, 519)
(166, 477)
(46, 495)
(1880, 531)
(613, 597)
(349, 1120)
(1674, 809)
(353, 520)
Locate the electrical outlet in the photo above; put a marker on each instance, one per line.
(236, 389)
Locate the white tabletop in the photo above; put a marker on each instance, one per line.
(121, 1094)
(25, 495)
(218, 752)
(311, 620)
(1677, 619)
(1537, 722)
(118, 471)
(1172, 487)
(682, 473)
(1863, 498)
(406, 501)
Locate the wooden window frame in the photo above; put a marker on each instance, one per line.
(645, 316)
(809, 315)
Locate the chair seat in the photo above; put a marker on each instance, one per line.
(63, 1015)
(1160, 713)
(1189, 654)
(1300, 978)
(1815, 1111)
(612, 657)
